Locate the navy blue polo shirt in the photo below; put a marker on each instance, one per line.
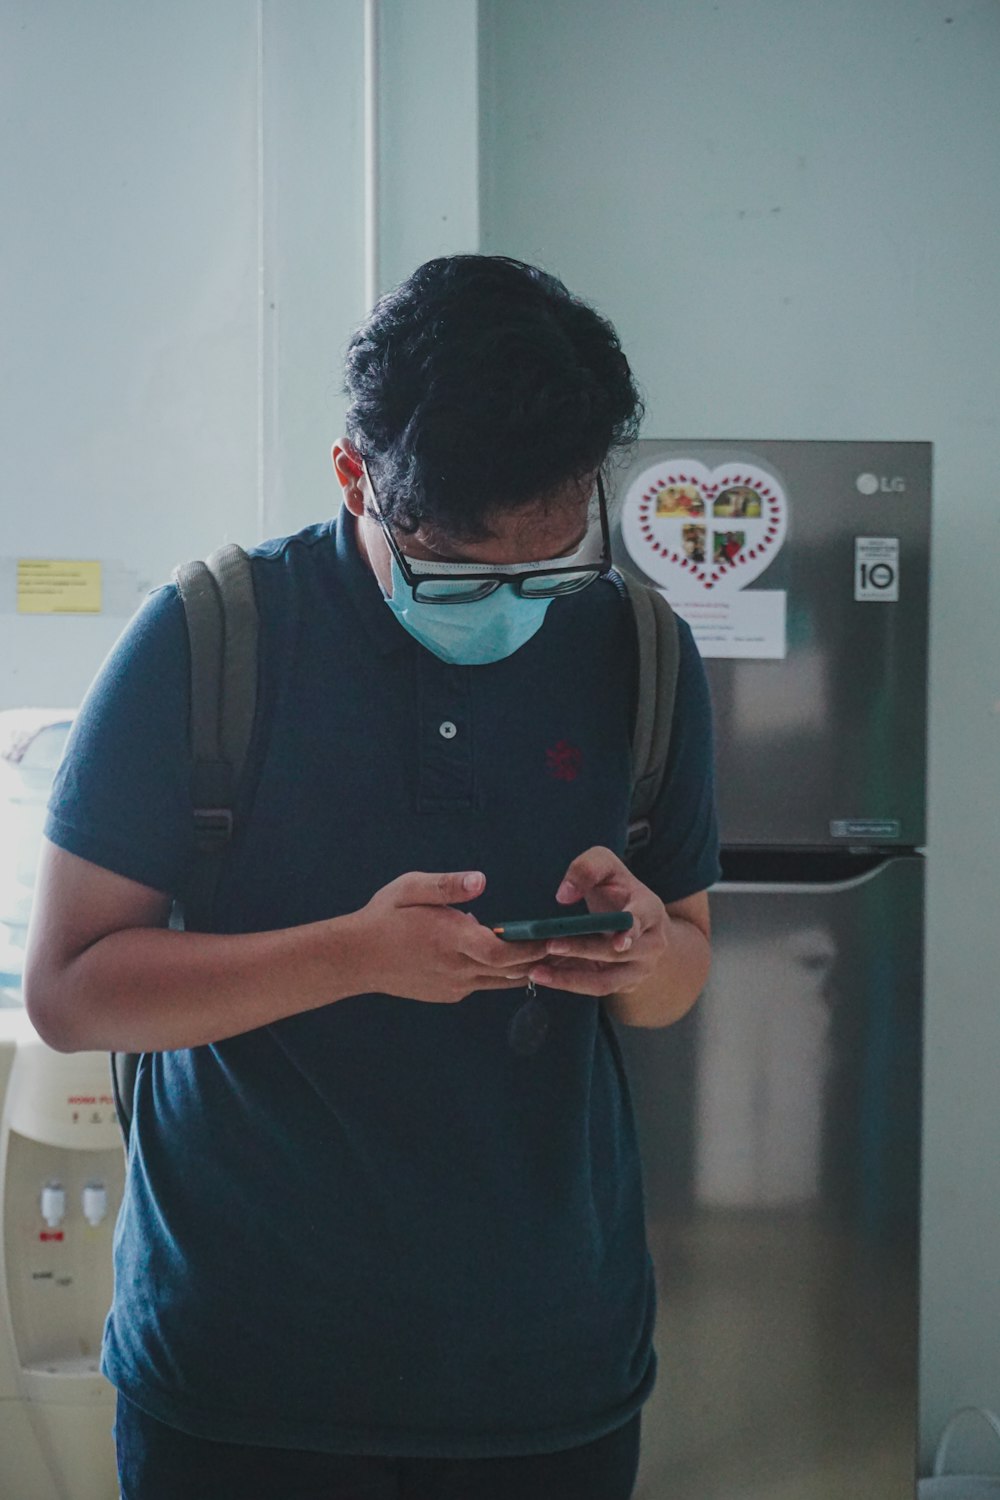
(383, 1226)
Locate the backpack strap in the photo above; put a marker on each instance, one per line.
(221, 613)
(656, 688)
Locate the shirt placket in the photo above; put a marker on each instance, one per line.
(446, 780)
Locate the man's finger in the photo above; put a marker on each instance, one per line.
(501, 981)
(419, 889)
(493, 953)
(606, 949)
(583, 978)
(594, 867)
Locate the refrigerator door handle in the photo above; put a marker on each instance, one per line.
(798, 887)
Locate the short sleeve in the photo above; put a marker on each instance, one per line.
(121, 796)
(682, 856)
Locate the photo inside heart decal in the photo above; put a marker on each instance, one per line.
(691, 529)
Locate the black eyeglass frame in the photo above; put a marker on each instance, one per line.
(490, 576)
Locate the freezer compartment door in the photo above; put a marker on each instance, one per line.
(826, 743)
(779, 1124)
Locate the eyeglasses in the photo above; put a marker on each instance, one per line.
(464, 583)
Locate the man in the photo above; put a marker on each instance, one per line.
(383, 1229)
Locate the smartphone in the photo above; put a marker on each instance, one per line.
(555, 927)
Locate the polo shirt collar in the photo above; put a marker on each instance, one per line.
(384, 629)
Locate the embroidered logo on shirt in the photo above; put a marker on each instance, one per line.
(564, 761)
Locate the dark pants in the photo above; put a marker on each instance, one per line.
(156, 1462)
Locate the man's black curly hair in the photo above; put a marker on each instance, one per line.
(482, 384)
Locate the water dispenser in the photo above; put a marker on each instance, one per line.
(62, 1171)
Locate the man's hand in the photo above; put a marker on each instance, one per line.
(613, 963)
(421, 948)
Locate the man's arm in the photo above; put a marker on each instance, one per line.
(104, 973)
(670, 991)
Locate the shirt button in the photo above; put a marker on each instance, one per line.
(447, 730)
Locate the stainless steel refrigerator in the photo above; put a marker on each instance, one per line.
(780, 1120)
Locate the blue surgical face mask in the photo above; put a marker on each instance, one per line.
(469, 634)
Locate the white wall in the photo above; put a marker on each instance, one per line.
(428, 133)
(129, 324)
(790, 210)
(308, 198)
(182, 265)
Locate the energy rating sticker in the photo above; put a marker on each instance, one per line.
(47, 586)
(876, 568)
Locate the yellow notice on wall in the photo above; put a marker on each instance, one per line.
(47, 586)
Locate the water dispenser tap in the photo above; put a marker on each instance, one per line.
(53, 1204)
(95, 1203)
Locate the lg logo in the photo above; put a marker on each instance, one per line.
(872, 484)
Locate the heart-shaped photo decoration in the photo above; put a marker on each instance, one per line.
(691, 529)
